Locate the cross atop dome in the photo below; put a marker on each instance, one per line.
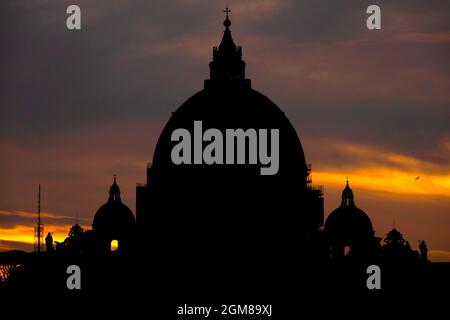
(227, 22)
(227, 11)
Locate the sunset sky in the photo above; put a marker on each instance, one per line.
(77, 107)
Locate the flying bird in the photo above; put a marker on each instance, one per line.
(417, 178)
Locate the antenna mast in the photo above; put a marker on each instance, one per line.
(39, 228)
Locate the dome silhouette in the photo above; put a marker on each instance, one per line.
(214, 206)
(113, 220)
(348, 223)
(348, 226)
(228, 101)
(237, 107)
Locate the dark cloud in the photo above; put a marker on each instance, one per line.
(54, 78)
(6, 245)
(139, 60)
(412, 130)
(331, 21)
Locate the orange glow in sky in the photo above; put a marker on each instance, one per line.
(389, 180)
(386, 171)
(371, 171)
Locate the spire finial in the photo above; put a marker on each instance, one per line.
(227, 22)
(114, 190)
(227, 11)
(347, 195)
(227, 61)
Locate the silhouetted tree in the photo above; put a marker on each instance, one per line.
(76, 231)
(77, 240)
(396, 248)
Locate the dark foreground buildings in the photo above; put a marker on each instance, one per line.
(225, 233)
(208, 221)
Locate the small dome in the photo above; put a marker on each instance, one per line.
(348, 224)
(114, 220)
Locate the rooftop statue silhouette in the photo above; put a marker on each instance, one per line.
(49, 242)
(423, 251)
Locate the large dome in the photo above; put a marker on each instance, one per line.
(226, 204)
(229, 102)
(232, 107)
